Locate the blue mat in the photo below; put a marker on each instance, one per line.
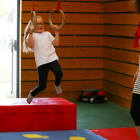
(82, 134)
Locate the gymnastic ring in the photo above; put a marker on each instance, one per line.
(63, 16)
(33, 20)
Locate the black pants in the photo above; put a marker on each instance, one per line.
(135, 108)
(43, 74)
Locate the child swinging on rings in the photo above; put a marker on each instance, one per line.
(42, 44)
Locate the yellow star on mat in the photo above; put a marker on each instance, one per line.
(77, 138)
(34, 136)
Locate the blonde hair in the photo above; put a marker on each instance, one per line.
(26, 47)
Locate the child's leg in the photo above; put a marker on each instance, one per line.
(56, 69)
(135, 111)
(42, 77)
(138, 131)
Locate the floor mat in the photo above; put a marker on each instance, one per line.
(83, 134)
(128, 133)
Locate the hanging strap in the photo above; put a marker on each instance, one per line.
(58, 6)
(137, 37)
(33, 5)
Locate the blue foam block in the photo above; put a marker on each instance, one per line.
(82, 134)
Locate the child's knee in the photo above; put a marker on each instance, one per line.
(42, 87)
(59, 73)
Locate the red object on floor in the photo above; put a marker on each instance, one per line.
(127, 133)
(43, 114)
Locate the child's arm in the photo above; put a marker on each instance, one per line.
(56, 40)
(30, 40)
(135, 76)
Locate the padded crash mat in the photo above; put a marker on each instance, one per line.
(42, 114)
(82, 134)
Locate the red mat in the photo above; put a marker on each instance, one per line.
(43, 114)
(128, 133)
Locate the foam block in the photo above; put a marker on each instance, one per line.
(43, 114)
(80, 134)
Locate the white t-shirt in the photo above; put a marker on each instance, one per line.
(43, 48)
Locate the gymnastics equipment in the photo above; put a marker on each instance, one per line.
(33, 17)
(61, 12)
(43, 114)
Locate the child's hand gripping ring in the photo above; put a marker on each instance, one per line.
(63, 17)
(33, 20)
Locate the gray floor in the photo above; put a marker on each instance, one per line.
(105, 115)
